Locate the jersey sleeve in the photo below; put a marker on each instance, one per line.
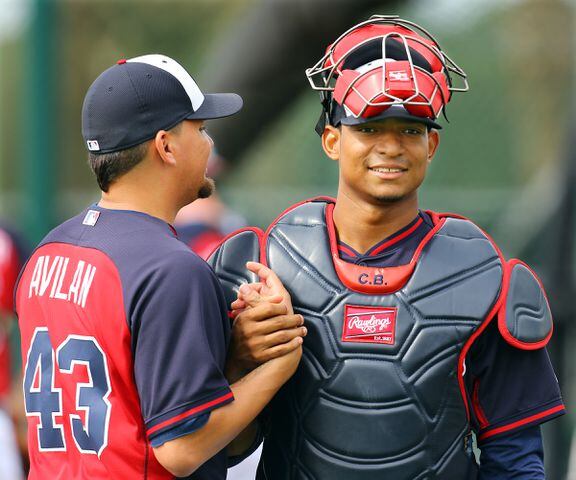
(180, 338)
(518, 455)
(510, 388)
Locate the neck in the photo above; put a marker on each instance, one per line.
(139, 199)
(361, 225)
(208, 211)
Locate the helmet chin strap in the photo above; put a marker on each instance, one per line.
(321, 123)
(325, 114)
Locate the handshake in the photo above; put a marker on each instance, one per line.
(265, 328)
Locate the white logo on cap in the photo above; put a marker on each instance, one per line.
(401, 76)
(93, 145)
(176, 70)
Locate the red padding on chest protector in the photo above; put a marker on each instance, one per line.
(367, 95)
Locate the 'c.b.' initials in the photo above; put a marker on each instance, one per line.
(367, 279)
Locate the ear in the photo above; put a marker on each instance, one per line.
(331, 142)
(433, 142)
(163, 144)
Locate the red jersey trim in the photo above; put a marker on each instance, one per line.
(538, 417)
(193, 411)
(478, 410)
(394, 240)
(346, 250)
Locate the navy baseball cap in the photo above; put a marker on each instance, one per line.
(134, 99)
(340, 115)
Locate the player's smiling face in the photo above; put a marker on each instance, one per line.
(381, 162)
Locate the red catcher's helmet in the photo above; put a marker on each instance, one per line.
(381, 62)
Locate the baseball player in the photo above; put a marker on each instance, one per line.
(124, 329)
(12, 255)
(421, 335)
(11, 260)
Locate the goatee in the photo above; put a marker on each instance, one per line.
(207, 188)
(390, 199)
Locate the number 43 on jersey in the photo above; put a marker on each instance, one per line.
(44, 400)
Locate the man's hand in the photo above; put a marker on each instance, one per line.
(269, 289)
(264, 332)
(265, 326)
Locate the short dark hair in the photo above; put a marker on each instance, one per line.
(108, 167)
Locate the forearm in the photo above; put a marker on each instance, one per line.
(246, 437)
(184, 455)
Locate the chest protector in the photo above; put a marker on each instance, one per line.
(379, 393)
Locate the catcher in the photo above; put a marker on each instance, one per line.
(421, 335)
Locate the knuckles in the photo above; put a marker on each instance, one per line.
(271, 309)
(284, 336)
(251, 346)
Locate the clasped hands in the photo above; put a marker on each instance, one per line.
(264, 324)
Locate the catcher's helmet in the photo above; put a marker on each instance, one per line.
(381, 63)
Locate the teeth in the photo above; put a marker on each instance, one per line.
(387, 170)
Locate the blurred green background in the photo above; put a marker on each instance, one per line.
(506, 157)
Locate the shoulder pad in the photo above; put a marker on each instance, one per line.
(524, 320)
(230, 257)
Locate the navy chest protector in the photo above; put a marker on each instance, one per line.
(379, 393)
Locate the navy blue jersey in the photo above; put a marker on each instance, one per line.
(499, 377)
(131, 330)
(397, 249)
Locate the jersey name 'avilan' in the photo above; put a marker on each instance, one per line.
(49, 275)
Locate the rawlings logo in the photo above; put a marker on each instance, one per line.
(400, 76)
(369, 324)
